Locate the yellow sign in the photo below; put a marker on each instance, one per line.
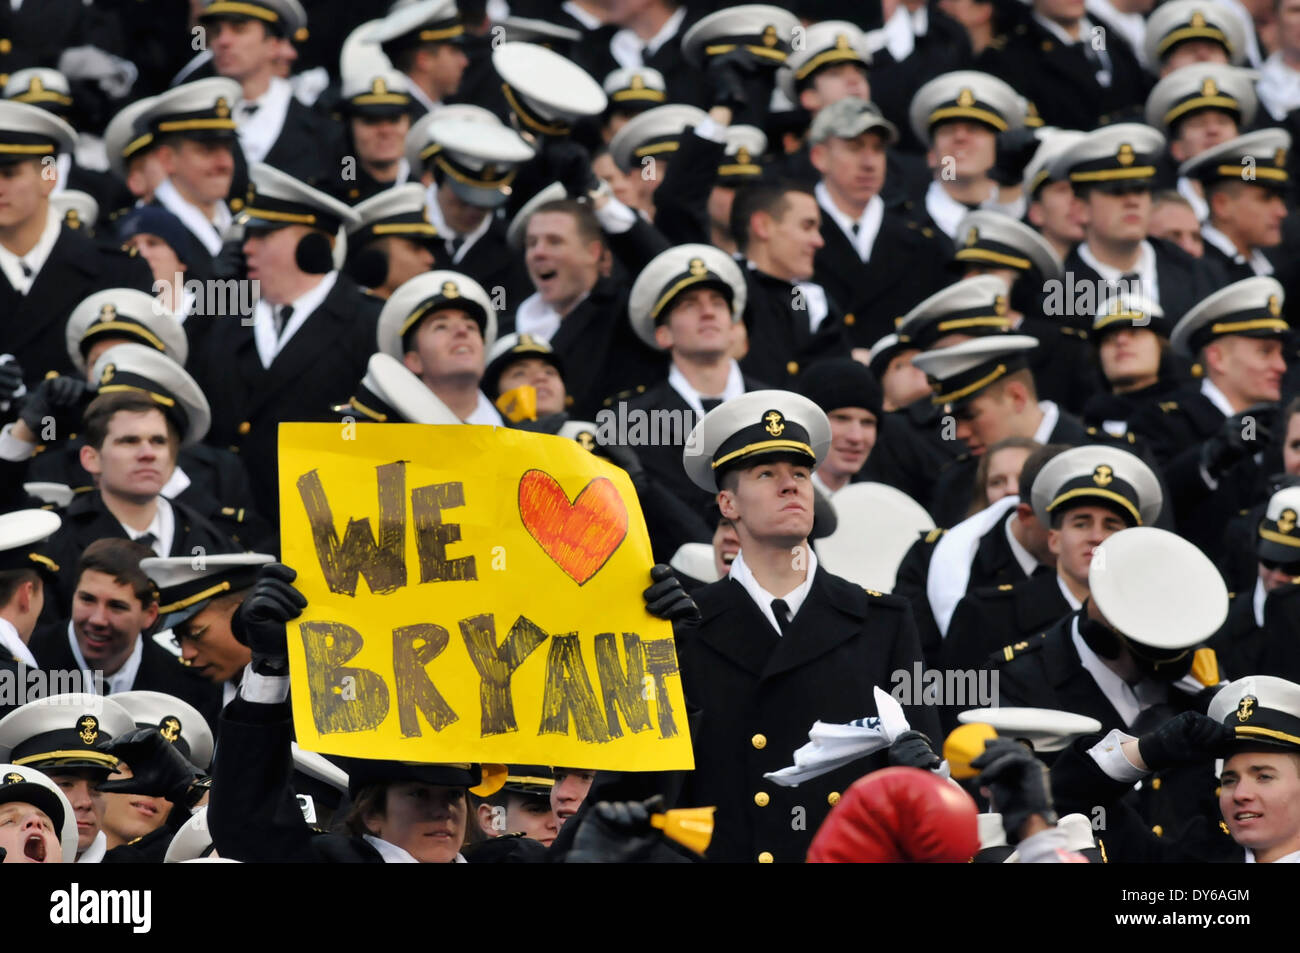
(474, 595)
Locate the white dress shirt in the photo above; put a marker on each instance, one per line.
(447, 233)
(945, 210)
(1131, 26)
(12, 264)
(258, 130)
(868, 223)
(485, 413)
(268, 346)
(209, 232)
(163, 527)
(734, 388)
(1024, 558)
(1292, 858)
(1128, 700)
(119, 681)
(11, 642)
(1216, 397)
(626, 47)
(94, 854)
(534, 316)
(1145, 269)
(1075, 603)
(1258, 599)
(392, 854)
(1187, 189)
(1258, 261)
(1051, 417)
(742, 574)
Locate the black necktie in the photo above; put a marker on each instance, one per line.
(708, 403)
(148, 539)
(453, 245)
(27, 269)
(782, 613)
(249, 109)
(282, 316)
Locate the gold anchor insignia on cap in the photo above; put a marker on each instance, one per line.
(775, 423)
(965, 98)
(526, 340)
(1198, 19)
(13, 777)
(1274, 306)
(586, 440)
(742, 156)
(1279, 157)
(107, 313)
(637, 82)
(1126, 155)
(1103, 475)
(1000, 306)
(379, 87)
(88, 728)
(170, 728)
(1246, 708)
(449, 290)
(842, 41)
(1208, 88)
(107, 375)
(222, 107)
(1286, 522)
(972, 236)
(36, 85)
(698, 268)
(769, 35)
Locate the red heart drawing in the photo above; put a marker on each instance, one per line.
(579, 536)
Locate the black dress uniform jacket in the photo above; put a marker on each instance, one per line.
(31, 325)
(759, 694)
(1184, 281)
(781, 340)
(910, 451)
(306, 148)
(913, 572)
(160, 671)
(904, 269)
(494, 264)
(993, 616)
(685, 83)
(317, 368)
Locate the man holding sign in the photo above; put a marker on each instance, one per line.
(781, 643)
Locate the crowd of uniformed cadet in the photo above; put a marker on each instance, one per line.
(947, 345)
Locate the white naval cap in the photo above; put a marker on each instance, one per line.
(22, 533)
(653, 133)
(410, 24)
(1123, 153)
(996, 240)
(1157, 589)
(1097, 475)
(284, 18)
(420, 148)
(967, 95)
(139, 367)
(177, 721)
(1201, 86)
(427, 294)
(824, 44)
(696, 561)
(192, 842)
(960, 372)
(635, 87)
(1046, 729)
(1261, 710)
(876, 525)
(379, 91)
(1278, 537)
(390, 394)
(516, 347)
(124, 314)
(675, 271)
(1128, 310)
(125, 136)
(40, 86)
(399, 210)
(198, 110)
(764, 30)
(546, 92)
(22, 783)
(1257, 158)
(64, 731)
(186, 584)
(745, 145)
(1251, 307)
(1178, 21)
(477, 159)
(30, 132)
(976, 305)
(533, 30)
(1052, 143)
(277, 199)
(517, 231)
(849, 118)
(77, 209)
(57, 495)
(752, 427)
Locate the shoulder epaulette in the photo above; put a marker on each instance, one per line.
(1009, 652)
(1006, 587)
(235, 514)
(934, 534)
(1168, 406)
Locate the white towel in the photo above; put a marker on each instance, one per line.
(950, 565)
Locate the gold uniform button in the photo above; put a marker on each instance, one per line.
(849, 319)
(6, 47)
(759, 741)
(792, 368)
(833, 798)
(1155, 784)
(766, 857)
(245, 427)
(1158, 831)
(762, 798)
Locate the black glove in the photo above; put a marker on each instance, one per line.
(11, 380)
(56, 398)
(912, 749)
(259, 621)
(1014, 150)
(570, 165)
(230, 262)
(1186, 738)
(158, 768)
(1241, 436)
(666, 599)
(727, 76)
(1018, 784)
(616, 833)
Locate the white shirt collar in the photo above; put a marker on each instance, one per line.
(1075, 603)
(946, 211)
(12, 642)
(163, 527)
(1258, 261)
(1278, 86)
(1188, 191)
(303, 307)
(178, 483)
(208, 232)
(742, 574)
(1217, 397)
(1145, 269)
(446, 232)
(588, 20)
(625, 46)
(392, 854)
(94, 854)
(1258, 599)
(534, 316)
(868, 222)
(485, 413)
(1058, 31)
(1024, 557)
(119, 681)
(900, 34)
(259, 131)
(12, 265)
(1127, 700)
(1292, 858)
(678, 382)
(1051, 417)
(1131, 26)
